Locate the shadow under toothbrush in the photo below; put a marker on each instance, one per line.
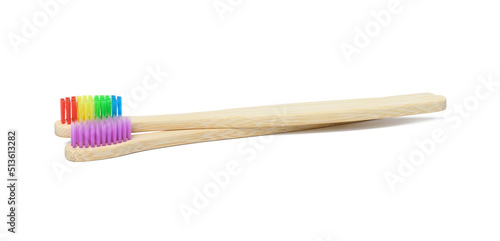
(364, 125)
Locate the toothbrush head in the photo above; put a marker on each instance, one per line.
(86, 107)
(101, 132)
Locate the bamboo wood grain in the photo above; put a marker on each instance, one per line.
(298, 114)
(160, 139)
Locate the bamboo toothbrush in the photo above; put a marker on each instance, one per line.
(111, 136)
(103, 141)
(286, 115)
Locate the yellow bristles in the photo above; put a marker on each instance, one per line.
(84, 105)
(79, 108)
(91, 108)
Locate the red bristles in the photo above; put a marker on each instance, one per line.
(68, 110)
(62, 111)
(74, 109)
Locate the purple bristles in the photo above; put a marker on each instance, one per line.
(79, 141)
(86, 134)
(73, 135)
(102, 126)
(114, 126)
(92, 134)
(128, 129)
(108, 132)
(119, 128)
(97, 133)
(103, 132)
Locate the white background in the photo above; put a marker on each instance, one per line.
(316, 185)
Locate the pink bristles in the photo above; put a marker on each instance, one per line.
(128, 129)
(108, 132)
(86, 134)
(120, 132)
(102, 126)
(79, 141)
(98, 133)
(113, 130)
(74, 133)
(92, 134)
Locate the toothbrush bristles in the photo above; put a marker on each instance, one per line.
(86, 107)
(101, 132)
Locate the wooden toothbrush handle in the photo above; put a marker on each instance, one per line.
(297, 114)
(149, 141)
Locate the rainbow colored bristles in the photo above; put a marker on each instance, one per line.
(101, 132)
(86, 107)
